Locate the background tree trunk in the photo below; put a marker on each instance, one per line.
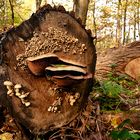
(124, 22)
(80, 8)
(38, 3)
(94, 21)
(134, 35)
(12, 11)
(138, 17)
(118, 29)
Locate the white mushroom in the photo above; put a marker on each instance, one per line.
(77, 95)
(23, 101)
(27, 104)
(50, 108)
(8, 84)
(72, 101)
(21, 96)
(55, 109)
(17, 88)
(10, 92)
(71, 97)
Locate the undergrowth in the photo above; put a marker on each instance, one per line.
(115, 94)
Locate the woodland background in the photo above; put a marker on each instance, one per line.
(115, 23)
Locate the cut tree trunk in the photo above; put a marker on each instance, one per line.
(49, 63)
(125, 60)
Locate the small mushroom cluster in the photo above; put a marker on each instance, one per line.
(56, 105)
(54, 40)
(16, 90)
(73, 98)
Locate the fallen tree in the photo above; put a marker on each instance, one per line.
(124, 60)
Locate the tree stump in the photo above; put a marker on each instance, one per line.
(47, 70)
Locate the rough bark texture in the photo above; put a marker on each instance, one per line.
(44, 92)
(117, 57)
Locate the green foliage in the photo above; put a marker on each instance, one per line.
(110, 22)
(20, 13)
(121, 133)
(111, 89)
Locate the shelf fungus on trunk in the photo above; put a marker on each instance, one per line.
(38, 64)
(60, 71)
(66, 75)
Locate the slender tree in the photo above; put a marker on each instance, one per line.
(134, 26)
(12, 11)
(128, 34)
(38, 3)
(124, 21)
(94, 20)
(118, 28)
(138, 17)
(81, 8)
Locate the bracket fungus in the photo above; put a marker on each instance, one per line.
(38, 64)
(61, 71)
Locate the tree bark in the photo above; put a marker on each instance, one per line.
(81, 8)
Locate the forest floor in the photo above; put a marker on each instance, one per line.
(112, 113)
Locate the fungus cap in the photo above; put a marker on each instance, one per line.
(17, 86)
(8, 83)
